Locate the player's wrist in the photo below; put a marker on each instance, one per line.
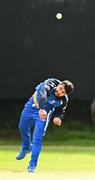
(42, 113)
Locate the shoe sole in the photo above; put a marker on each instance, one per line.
(23, 156)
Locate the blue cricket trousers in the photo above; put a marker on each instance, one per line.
(29, 118)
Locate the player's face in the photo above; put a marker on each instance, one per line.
(60, 90)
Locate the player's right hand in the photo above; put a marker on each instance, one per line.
(42, 114)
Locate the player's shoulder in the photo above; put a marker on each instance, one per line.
(48, 84)
(52, 80)
(51, 83)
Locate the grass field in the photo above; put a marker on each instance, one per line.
(55, 162)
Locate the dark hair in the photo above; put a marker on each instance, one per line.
(69, 87)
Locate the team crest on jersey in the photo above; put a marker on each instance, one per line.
(52, 102)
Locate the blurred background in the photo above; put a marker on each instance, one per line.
(35, 45)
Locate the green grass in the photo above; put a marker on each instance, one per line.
(52, 158)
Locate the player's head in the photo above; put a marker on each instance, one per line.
(64, 88)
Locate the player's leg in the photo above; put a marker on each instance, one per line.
(36, 143)
(25, 124)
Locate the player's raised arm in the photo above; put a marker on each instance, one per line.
(43, 90)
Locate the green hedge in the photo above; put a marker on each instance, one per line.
(77, 116)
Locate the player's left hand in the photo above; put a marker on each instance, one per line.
(57, 121)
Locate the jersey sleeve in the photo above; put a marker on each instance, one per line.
(41, 95)
(60, 111)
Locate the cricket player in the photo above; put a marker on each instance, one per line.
(48, 102)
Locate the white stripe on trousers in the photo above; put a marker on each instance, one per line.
(47, 122)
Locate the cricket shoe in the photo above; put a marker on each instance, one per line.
(23, 153)
(31, 169)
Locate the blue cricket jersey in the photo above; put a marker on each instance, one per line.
(47, 100)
